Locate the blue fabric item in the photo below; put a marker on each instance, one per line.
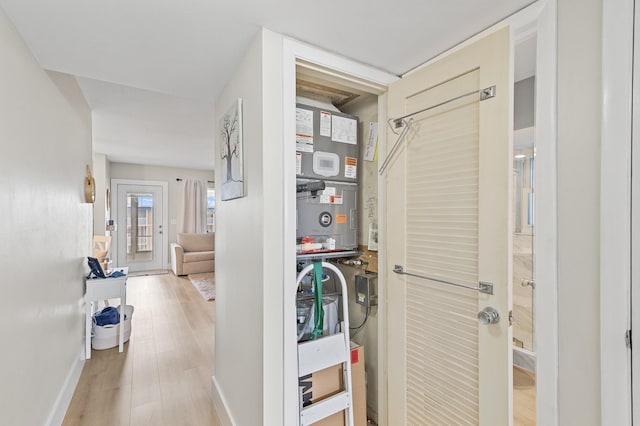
(116, 274)
(108, 315)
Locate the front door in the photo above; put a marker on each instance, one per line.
(140, 227)
(449, 221)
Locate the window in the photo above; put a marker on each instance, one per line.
(139, 225)
(211, 210)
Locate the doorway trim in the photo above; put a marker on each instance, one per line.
(616, 220)
(165, 214)
(546, 214)
(293, 51)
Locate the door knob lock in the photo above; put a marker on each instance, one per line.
(528, 283)
(488, 316)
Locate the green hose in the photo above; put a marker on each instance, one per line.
(318, 313)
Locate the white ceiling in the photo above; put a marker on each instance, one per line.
(151, 69)
(144, 127)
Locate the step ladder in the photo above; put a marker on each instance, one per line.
(325, 352)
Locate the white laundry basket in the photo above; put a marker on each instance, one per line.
(106, 336)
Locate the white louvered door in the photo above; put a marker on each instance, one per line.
(448, 217)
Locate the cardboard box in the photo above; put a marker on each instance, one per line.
(325, 383)
(359, 386)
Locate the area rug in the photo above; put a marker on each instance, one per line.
(205, 284)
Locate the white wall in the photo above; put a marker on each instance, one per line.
(163, 174)
(275, 276)
(524, 103)
(249, 275)
(45, 231)
(579, 117)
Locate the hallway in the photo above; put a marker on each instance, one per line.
(163, 377)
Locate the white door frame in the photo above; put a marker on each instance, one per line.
(615, 220)
(164, 249)
(542, 15)
(635, 201)
(546, 215)
(292, 51)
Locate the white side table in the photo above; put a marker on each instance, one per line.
(100, 289)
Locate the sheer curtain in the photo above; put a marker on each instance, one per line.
(192, 216)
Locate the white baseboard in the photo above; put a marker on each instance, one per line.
(220, 405)
(66, 392)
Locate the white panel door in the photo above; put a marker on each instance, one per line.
(449, 216)
(140, 227)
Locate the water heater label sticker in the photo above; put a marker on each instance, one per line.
(341, 218)
(304, 130)
(298, 163)
(344, 130)
(336, 199)
(325, 123)
(371, 149)
(350, 167)
(329, 190)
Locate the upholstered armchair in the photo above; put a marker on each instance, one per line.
(193, 253)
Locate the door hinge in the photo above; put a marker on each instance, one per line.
(511, 318)
(627, 338)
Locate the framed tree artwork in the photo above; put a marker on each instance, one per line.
(231, 153)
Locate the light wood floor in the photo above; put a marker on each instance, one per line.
(163, 377)
(524, 397)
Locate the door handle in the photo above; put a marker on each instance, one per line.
(528, 283)
(488, 316)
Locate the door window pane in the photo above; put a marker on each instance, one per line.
(211, 210)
